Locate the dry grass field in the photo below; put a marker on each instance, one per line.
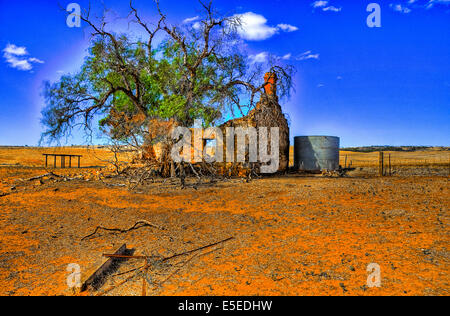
(99, 156)
(94, 156)
(293, 234)
(399, 158)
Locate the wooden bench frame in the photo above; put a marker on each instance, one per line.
(63, 159)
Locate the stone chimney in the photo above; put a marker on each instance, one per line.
(270, 80)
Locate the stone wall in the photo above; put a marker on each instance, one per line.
(267, 113)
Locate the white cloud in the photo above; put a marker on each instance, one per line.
(35, 60)
(409, 5)
(432, 3)
(319, 4)
(15, 50)
(21, 64)
(254, 27)
(287, 56)
(400, 8)
(287, 27)
(323, 5)
(332, 8)
(15, 57)
(259, 58)
(196, 26)
(307, 55)
(190, 20)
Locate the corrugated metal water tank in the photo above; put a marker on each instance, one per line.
(316, 153)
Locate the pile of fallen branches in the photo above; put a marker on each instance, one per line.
(51, 176)
(156, 264)
(339, 173)
(183, 174)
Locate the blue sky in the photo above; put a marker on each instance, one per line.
(370, 86)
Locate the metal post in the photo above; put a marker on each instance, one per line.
(46, 161)
(78, 162)
(70, 161)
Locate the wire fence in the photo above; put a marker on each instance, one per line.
(398, 163)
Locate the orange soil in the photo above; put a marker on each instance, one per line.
(293, 235)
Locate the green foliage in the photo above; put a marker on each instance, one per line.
(123, 84)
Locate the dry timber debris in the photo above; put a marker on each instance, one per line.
(98, 278)
(50, 174)
(137, 225)
(148, 263)
(171, 257)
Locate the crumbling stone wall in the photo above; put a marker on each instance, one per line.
(267, 113)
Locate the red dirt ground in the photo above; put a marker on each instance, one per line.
(293, 235)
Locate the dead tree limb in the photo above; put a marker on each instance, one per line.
(50, 174)
(171, 257)
(184, 264)
(137, 225)
(197, 249)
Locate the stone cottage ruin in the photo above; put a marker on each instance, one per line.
(267, 113)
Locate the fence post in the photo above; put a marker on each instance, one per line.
(390, 170)
(381, 164)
